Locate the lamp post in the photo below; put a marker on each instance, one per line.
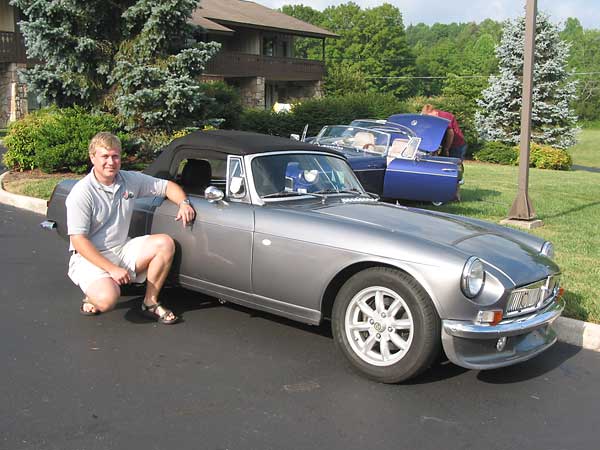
(522, 209)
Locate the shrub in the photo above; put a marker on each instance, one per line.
(498, 153)
(227, 105)
(269, 122)
(21, 139)
(546, 157)
(540, 156)
(322, 111)
(57, 140)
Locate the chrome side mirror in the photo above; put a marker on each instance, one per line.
(212, 194)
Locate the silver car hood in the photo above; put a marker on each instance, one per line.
(512, 252)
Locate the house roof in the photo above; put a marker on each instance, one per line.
(223, 13)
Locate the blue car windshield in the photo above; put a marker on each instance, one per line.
(293, 174)
(356, 138)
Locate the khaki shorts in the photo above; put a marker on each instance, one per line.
(83, 273)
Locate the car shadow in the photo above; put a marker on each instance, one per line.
(183, 300)
(551, 359)
(179, 300)
(324, 329)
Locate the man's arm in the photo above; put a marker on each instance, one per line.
(175, 194)
(447, 143)
(85, 248)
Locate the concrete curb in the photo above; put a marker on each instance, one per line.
(36, 205)
(575, 332)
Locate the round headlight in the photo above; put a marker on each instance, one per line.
(547, 250)
(473, 277)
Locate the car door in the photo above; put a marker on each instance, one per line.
(215, 251)
(423, 180)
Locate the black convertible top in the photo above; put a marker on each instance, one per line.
(229, 142)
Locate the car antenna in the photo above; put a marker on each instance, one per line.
(303, 137)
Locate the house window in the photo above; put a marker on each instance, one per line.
(269, 46)
(285, 48)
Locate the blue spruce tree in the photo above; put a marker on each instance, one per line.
(135, 58)
(553, 119)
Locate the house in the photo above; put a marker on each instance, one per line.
(13, 94)
(257, 53)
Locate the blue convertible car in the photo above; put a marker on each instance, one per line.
(394, 158)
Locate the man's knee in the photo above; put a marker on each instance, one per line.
(103, 294)
(164, 244)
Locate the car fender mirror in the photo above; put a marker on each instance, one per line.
(295, 136)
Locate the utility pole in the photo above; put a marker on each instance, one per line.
(522, 209)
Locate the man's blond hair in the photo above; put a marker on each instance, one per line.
(106, 140)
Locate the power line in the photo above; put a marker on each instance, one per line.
(458, 76)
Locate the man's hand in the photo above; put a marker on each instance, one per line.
(186, 214)
(120, 275)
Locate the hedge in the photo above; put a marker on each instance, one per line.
(319, 112)
(541, 156)
(56, 140)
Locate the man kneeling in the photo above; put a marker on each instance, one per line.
(99, 211)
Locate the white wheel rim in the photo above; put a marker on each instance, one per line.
(379, 326)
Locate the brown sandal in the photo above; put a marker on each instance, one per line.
(152, 313)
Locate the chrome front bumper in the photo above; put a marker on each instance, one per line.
(474, 346)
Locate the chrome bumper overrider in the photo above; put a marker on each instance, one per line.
(474, 346)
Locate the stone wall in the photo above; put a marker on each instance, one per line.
(305, 89)
(252, 91)
(13, 94)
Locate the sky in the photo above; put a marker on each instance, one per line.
(432, 11)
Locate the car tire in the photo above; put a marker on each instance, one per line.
(386, 325)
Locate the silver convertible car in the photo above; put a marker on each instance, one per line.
(286, 227)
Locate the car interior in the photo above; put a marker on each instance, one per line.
(195, 175)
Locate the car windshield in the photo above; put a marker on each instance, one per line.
(384, 125)
(297, 174)
(357, 138)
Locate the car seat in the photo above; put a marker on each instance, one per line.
(196, 176)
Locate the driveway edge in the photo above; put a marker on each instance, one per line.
(575, 332)
(36, 205)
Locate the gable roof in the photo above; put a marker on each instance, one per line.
(223, 13)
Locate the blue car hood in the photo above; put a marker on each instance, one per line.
(430, 129)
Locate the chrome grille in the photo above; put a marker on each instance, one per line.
(533, 296)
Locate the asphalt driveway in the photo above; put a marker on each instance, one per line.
(231, 378)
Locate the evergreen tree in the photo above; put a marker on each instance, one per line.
(126, 56)
(553, 121)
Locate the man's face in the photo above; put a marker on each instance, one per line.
(107, 163)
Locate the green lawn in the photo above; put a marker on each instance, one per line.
(569, 205)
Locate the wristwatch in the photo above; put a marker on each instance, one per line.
(184, 202)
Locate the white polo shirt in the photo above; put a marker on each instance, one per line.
(103, 213)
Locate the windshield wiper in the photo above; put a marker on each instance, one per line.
(284, 194)
(338, 191)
